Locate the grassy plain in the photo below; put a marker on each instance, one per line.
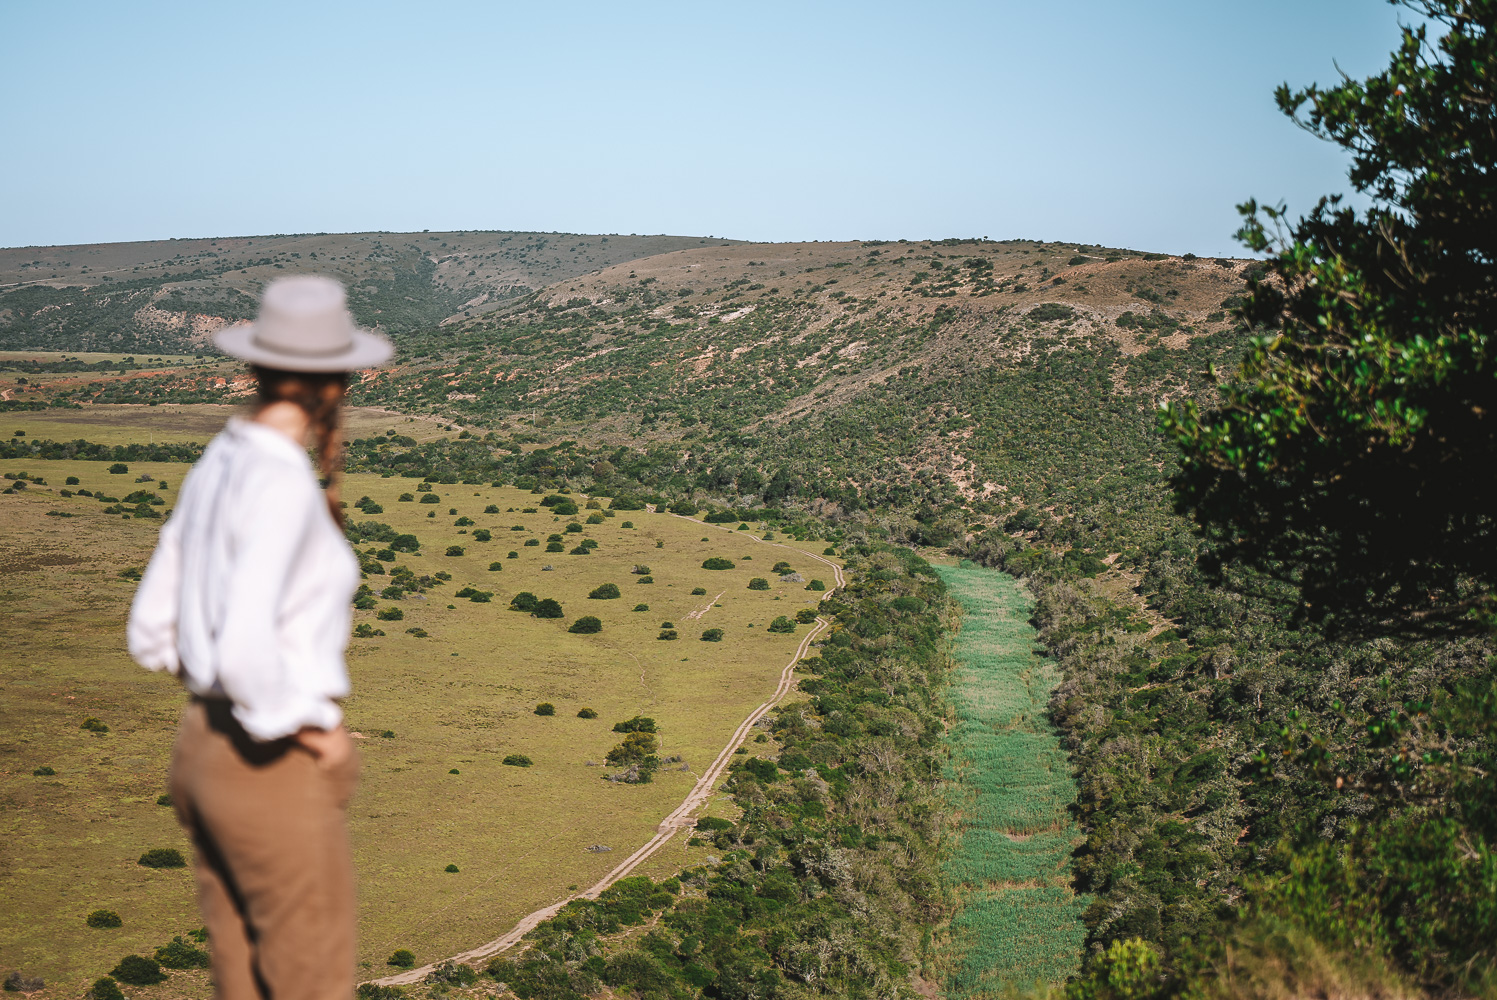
(136, 423)
(1019, 922)
(460, 699)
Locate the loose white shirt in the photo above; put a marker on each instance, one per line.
(248, 595)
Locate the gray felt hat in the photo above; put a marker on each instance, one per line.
(304, 326)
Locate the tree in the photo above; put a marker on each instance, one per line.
(546, 607)
(1352, 452)
(605, 592)
(587, 625)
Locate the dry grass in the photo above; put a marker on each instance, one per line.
(125, 423)
(461, 699)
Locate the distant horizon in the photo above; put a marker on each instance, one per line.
(1140, 126)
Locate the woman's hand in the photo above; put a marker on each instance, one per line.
(330, 747)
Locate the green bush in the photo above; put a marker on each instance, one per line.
(402, 958)
(451, 973)
(94, 725)
(758, 583)
(815, 585)
(605, 592)
(713, 635)
(162, 857)
(586, 713)
(806, 616)
(782, 624)
(668, 634)
(482, 535)
(708, 824)
(390, 614)
(518, 760)
(451, 869)
(594, 519)
(555, 547)
(645, 579)
(374, 991)
(545, 708)
(118, 469)
(586, 625)
(495, 567)
(104, 918)
(430, 498)
(638, 724)
(105, 989)
(454, 550)
(523, 601)
(137, 970)
(548, 608)
(181, 955)
(641, 607)
(45, 771)
(698, 591)
(718, 562)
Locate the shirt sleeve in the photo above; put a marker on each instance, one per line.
(152, 631)
(274, 517)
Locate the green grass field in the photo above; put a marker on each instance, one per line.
(1009, 784)
(460, 699)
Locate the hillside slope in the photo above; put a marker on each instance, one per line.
(168, 295)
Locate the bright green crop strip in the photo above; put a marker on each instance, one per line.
(1009, 784)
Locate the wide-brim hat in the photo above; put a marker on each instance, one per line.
(304, 326)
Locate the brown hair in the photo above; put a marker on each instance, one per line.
(320, 396)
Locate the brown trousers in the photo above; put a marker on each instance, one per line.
(274, 873)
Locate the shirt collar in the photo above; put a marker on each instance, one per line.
(265, 438)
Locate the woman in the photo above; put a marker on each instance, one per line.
(248, 600)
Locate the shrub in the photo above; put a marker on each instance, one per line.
(523, 601)
(698, 591)
(463, 522)
(627, 524)
(668, 634)
(641, 607)
(363, 630)
(638, 724)
(586, 713)
(713, 635)
(419, 633)
(545, 708)
(806, 616)
(390, 614)
(495, 567)
(118, 469)
(815, 585)
(402, 958)
(640, 569)
(482, 535)
(721, 517)
(406, 498)
(181, 955)
(605, 592)
(104, 918)
(93, 725)
(594, 518)
(781, 568)
(46, 772)
(105, 989)
(512, 554)
(70, 481)
(758, 583)
(718, 562)
(137, 970)
(581, 550)
(162, 857)
(518, 760)
(782, 624)
(451, 973)
(405, 543)
(634, 748)
(555, 547)
(548, 608)
(565, 509)
(430, 498)
(452, 869)
(709, 824)
(164, 799)
(530, 542)
(586, 625)
(645, 579)
(454, 550)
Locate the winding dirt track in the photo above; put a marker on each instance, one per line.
(680, 817)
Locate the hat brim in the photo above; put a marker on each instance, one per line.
(367, 350)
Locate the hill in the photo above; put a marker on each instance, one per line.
(168, 295)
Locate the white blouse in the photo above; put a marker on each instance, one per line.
(248, 595)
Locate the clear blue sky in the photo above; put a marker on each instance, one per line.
(1128, 124)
